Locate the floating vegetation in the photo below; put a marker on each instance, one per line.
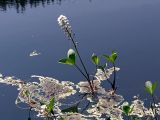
(34, 53)
(47, 96)
(104, 74)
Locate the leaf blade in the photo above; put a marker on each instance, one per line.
(95, 59)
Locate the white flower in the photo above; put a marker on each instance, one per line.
(105, 74)
(64, 24)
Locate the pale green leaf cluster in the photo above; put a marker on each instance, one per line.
(111, 58)
(71, 58)
(150, 88)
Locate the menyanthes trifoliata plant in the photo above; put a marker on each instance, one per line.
(53, 99)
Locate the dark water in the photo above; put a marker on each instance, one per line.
(132, 27)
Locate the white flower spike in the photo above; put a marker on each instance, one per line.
(64, 24)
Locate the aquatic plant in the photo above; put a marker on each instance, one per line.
(91, 101)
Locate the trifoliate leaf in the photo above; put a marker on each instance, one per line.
(126, 109)
(114, 56)
(111, 58)
(71, 56)
(95, 59)
(66, 61)
(148, 87)
(107, 57)
(154, 85)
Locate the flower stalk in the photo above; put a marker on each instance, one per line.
(114, 79)
(64, 23)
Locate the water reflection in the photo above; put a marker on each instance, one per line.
(21, 5)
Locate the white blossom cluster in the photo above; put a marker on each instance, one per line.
(65, 26)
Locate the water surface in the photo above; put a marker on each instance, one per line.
(130, 27)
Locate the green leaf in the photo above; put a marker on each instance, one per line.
(126, 109)
(111, 58)
(27, 93)
(73, 109)
(148, 87)
(131, 110)
(149, 90)
(66, 61)
(63, 61)
(95, 59)
(154, 85)
(114, 56)
(71, 56)
(50, 106)
(108, 58)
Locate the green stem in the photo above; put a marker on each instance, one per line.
(79, 56)
(87, 74)
(114, 79)
(93, 76)
(76, 66)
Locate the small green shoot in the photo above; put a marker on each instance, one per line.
(149, 87)
(127, 109)
(50, 105)
(111, 58)
(71, 58)
(95, 59)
